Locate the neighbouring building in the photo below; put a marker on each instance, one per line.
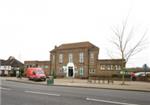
(10, 66)
(45, 65)
(79, 60)
(111, 65)
(4, 68)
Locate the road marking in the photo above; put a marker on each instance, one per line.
(111, 102)
(1, 88)
(41, 93)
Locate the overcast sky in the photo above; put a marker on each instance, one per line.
(29, 29)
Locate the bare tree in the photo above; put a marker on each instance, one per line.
(123, 40)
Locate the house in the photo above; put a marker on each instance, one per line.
(10, 66)
(4, 68)
(45, 65)
(79, 60)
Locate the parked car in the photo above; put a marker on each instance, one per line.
(35, 74)
(138, 75)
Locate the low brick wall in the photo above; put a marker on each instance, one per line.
(102, 76)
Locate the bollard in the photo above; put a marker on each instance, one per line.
(50, 80)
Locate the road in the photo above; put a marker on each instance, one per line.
(14, 93)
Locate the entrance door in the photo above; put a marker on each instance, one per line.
(3, 73)
(70, 71)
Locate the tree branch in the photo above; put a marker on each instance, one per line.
(137, 48)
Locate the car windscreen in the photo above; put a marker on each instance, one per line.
(39, 72)
(140, 74)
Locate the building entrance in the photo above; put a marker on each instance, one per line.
(70, 71)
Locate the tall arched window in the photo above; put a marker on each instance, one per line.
(70, 57)
(81, 57)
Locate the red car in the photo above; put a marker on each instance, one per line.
(35, 74)
(138, 75)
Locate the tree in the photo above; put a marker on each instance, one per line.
(123, 41)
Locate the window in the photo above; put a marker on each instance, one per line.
(70, 57)
(6, 72)
(117, 67)
(102, 67)
(108, 67)
(91, 57)
(36, 65)
(81, 71)
(53, 58)
(92, 70)
(40, 66)
(60, 58)
(46, 67)
(112, 67)
(81, 57)
(60, 70)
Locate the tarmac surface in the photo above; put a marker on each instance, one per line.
(18, 93)
(83, 83)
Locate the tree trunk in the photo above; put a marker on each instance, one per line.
(123, 70)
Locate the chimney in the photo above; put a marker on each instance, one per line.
(55, 46)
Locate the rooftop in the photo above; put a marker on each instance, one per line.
(85, 44)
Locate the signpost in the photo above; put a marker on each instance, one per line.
(145, 68)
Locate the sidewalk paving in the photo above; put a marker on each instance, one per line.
(129, 85)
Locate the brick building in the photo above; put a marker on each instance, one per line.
(79, 60)
(42, 64)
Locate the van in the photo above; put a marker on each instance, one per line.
(35, 74)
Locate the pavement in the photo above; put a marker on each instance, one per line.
(83, 83)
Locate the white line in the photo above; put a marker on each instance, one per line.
(1, 88)
(42, 93)
(111, 102)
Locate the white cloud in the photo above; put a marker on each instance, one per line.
(29, 29)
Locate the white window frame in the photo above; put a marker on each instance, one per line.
(81, 57)
(118, 67)
(46, 67)
(61, 70)
(91, 57)
(81, 71)
(108, 67)
(60, 58)
(92, 71)
(112, 67)
(70, 57)
(53, 58)
(103, 67)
